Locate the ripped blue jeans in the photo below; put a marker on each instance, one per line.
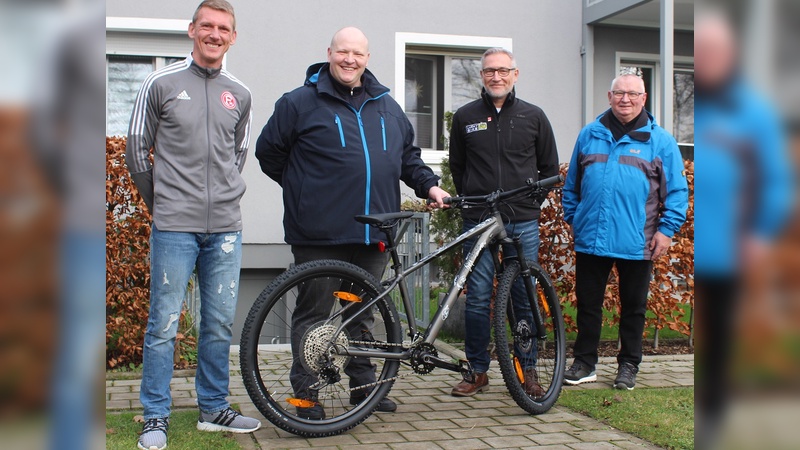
(173, 257)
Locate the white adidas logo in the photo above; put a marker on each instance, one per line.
(184, 96)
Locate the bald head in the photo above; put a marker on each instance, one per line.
(715, 49)
(348, 56)
(349, 34)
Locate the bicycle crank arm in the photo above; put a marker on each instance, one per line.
(442, 364)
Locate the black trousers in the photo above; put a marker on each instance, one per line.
(717, 300)
(314, 304)
(591, 278)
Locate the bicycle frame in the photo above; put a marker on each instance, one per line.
(488, 231)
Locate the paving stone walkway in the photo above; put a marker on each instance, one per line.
(428, 417)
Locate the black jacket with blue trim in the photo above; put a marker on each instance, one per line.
(335, 161)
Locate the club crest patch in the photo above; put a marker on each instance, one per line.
(471, 128)
(228, 100)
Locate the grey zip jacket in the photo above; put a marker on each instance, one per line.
(197, 120)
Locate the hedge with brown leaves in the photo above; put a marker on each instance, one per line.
(673, 280)
(128, 267)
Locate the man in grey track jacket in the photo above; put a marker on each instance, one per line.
(195, 116)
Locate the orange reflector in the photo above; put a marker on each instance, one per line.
(300, 402)
(545, 306)
(347, 296)
(518, 369)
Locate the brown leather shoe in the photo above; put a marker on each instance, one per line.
(532, 386)
(479, 382)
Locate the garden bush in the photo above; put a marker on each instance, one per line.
(128, 268)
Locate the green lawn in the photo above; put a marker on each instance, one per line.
(664, 417)
(610, 333)
(122, 433)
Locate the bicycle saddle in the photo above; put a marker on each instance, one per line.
(386, 219)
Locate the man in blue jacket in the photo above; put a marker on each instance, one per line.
(625, 196)
(743, 199)
(338, 146)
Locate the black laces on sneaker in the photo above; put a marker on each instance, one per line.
(156, 425)
(575, 367)
(627, 370)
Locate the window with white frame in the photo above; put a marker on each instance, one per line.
(134, 48)
(437, 74)
(435, 84)
(125, 75)
(682, 94)
(683, 104)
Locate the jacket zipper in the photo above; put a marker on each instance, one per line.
(341, 133)
(208, 161)
(366, 153)
(499, 150)
(383, 133)
(369, 172)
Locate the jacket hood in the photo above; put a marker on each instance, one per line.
(318, 75)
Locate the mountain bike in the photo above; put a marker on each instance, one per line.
(528, 328)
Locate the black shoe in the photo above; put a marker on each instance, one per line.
(315, 412)
(385, 405)
(579, 373)
(626, 376)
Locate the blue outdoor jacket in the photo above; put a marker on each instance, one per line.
(619, 193)
(335, 161)
(743, 182)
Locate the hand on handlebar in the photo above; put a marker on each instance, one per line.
(436, 196)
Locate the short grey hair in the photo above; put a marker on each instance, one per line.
(495, 50)
(628, 74)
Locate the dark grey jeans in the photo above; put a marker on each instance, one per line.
(314, 304)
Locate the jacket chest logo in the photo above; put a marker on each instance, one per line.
(635, 151)
(471, 128)
(228, 100)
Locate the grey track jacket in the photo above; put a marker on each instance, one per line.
(198, 122)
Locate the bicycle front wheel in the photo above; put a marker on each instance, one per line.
(299, 376)
(532, 368)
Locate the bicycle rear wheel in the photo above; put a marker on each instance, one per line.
(533, 369)
(314, 398)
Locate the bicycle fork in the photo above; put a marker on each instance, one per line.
(530, 290)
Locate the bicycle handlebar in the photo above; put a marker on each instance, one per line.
(531, 186)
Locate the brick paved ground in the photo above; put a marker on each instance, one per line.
(429, 418)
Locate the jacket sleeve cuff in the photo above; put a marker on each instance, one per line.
(423, 192)
(144, 184)
(666, 231)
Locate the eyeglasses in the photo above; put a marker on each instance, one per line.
(503, 71)
(631, 95)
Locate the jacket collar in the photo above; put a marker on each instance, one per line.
(511, 98)
(641, 131)
(319, 75)
(202, 72)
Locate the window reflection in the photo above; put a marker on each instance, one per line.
(125, 76)
(435, 84)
